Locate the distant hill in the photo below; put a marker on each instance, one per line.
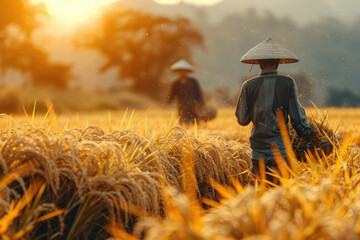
(302, 12)
(327, 47)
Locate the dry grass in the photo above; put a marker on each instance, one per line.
(320, 201)
(100, 173)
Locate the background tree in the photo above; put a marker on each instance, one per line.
(327, 47)
(18, 20)
(20, 13)
(143, 46)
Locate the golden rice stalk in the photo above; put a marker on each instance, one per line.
(324, 139)
(183, 211)
(23, 215)
(301, 211)
(215, 158)
(178, 225)
(78, 165)
(138, 151)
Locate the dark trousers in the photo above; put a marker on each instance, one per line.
(267, 166)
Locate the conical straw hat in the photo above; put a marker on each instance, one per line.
(182, 65)
(269, 49)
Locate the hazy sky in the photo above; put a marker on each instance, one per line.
(72, 12)
(305, 11)
(55, 35)
(302, 11)
(199, 2)
(77, 10)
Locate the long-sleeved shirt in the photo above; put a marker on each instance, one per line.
(188, 93)
(260, 98)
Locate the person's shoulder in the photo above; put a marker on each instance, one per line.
(252, 80)
(285, 78)
(192, 79)
(176, 81)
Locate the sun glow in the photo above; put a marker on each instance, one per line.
(73, 11)
(197, 2)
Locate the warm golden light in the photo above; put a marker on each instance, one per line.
(73, 11)
(206, 2)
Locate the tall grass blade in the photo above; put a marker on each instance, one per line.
(47, 113)
(33, 114)
(123, 119)
(286, 139)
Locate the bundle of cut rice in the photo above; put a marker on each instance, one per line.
(206, 112)
(322, 139)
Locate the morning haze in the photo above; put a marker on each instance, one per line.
(324, 35)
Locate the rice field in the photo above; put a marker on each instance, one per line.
(139, 175)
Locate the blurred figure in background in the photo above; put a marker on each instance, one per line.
(187, 91)
(263, 96)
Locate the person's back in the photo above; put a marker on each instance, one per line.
(260, 99)
(266, 94)
(187, 92)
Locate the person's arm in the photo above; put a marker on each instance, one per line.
(172, 94)
(242, 112)
(198, 94)
(297, 114)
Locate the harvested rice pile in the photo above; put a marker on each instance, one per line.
(85, 172)
(215, 158)
(87, 176)
(323, 139)
(323, 203)
(302, 211)
(320, 201)
(90, 184)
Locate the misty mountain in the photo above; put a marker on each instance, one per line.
(302, 12)
(328, 48)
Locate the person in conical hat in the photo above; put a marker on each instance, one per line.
(187, 91)
(266, 95)
(182, 66)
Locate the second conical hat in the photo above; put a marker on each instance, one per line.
(182, 65)
(269, 49)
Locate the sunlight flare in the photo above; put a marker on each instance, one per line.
(76, 11)
(197, 2)
(73, 11)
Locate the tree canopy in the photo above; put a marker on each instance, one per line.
(18, 20)
(21, 13)
(143, 46)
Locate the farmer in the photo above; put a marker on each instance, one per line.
(262, 96)
(187, 91)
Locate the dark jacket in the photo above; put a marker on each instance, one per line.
(260, 98)
(188, 94)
